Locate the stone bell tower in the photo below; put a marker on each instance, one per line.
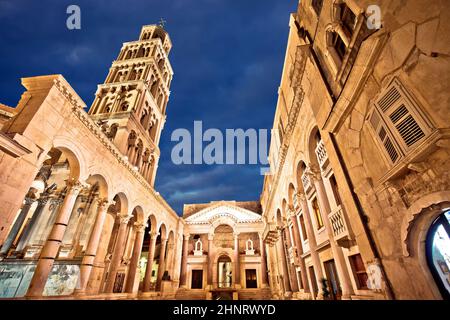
(130, 105)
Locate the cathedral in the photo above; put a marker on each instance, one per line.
(356, 205)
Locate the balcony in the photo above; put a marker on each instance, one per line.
(270, 234)
(321, 154)
(341, 228)
(293, 256)
(307, 185)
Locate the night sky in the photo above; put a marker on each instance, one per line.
(227, 58)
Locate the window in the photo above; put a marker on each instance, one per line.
(397, 122)
(335, 188)
(347, 18)
(339, 45)
(250, 278)
(359, 271)
(317, 213)
(317, 6)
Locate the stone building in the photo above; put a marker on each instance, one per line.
(78, 204)
(356, 204)
(223, 254)
(359, 194)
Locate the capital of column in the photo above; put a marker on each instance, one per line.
(29, 200)
(300, 196)
(75, 186)
(210, 236)
(313, 172)
(186, 237)
(140, 227)
(103, 203)
(236, 235)
(153, 235)
(124, 219)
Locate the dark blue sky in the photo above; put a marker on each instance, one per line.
(227, 58)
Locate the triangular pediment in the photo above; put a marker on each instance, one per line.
(208, 215)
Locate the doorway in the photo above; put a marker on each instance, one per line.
(334, 286)
(312, 276)
(438, 253)
(250, 279)
(224, 270)
(197, 279)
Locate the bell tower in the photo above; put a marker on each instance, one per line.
(130, 106)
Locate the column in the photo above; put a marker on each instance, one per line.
(27, 231)
(237, 264)
(283, 255)
(137, 249)
(51, 247)
(117, 253)
(162, 263)
(184, 258)
(312, 241)
(263, 261)
(91, 250)
(288, 244)
(324, 205)
(210, 259)
(17, 224)
(150, 258)
(298, 244)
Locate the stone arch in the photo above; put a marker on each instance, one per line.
(419, 217)
(138, 214)
(76, 158)
(102, 184)
(414, 230)
(151, 219)
(162, 230)
(311, 144)
(123, 201)
(291, 194)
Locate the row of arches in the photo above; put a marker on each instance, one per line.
(142, 158)
(87, 220)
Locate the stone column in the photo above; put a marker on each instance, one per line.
(263, 261)
(184, 258)
(51, 247)
(324, 205)
(312, 241)
(150, 258)
(28, 230)
(17, 225)
(117, 253)
(137, 249)
(91, 250)
(210, 259)
(237, 264)
(292, 276)
(298, 244)
(283, 255)
(162, 263)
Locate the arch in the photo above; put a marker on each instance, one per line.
(102, 184)
(414, 230)
(151, 219)
(291, 194)
(162, 230)
(138, 214)
(313, 139)
(421, 209)
(279, 218)
(121, 202)
(77, 161)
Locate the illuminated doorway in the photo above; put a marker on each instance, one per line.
(224, 268)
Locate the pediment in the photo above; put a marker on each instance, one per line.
(219, 212)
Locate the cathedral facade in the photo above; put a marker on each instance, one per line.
(355, 206)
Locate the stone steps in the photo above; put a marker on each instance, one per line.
(186, 294)
(255, 294)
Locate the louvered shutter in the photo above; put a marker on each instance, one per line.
(400, 113)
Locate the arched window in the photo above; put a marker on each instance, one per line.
(438, 252)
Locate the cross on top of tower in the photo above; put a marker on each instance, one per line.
(162, 23)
